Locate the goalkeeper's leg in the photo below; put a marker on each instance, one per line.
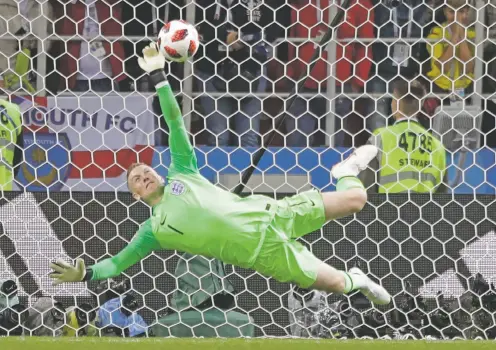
(290, 261)
(311, 210)
(350, 196)
(334, 281)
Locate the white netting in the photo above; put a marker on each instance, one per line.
(434, 253)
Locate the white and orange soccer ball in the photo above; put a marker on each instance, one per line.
(178, 40)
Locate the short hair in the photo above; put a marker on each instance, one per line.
(131, 168)
(457, 4)
(410, 96)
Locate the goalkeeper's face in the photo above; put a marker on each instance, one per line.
(144, 182)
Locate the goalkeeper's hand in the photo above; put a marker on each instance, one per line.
(153, 62)
(64, 272)
(152, 59)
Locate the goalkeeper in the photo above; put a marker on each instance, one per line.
(192, 215)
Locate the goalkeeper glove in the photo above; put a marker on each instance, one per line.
(153, 62)
(64, 272)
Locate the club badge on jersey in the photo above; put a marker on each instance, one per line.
(97, 49)
(177, 188)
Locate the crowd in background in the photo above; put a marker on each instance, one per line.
(265, 31)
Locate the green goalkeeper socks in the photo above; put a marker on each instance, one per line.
(348, 182)
(353, 282)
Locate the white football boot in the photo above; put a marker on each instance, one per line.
(355, 163)
(373, 291)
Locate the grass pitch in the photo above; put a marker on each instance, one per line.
(234, 344)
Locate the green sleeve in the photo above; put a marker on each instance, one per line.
(143, 244)
(183, 158)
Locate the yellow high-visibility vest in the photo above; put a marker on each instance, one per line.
(10, 129)
(410, 158)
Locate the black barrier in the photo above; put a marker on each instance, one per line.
(402, 239)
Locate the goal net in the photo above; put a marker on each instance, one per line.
(89, 112)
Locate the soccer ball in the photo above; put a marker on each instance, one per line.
(178, 40)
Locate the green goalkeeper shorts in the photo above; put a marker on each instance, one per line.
(281, 257)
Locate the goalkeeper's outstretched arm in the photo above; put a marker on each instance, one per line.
(143, 244)
(183, 158)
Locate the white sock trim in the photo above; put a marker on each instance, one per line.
(161, 84)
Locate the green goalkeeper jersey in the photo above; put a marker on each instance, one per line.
(194, 215)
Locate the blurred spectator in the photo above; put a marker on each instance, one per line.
(235, 52)
(117, 314)
(117, 317)
(410, 159)
(209, 18)
(453, 63)
(45, 318)
(21, 18)
(11, 143)
(92, 64)
(311, 18)
(80, 321)
(405, 20)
